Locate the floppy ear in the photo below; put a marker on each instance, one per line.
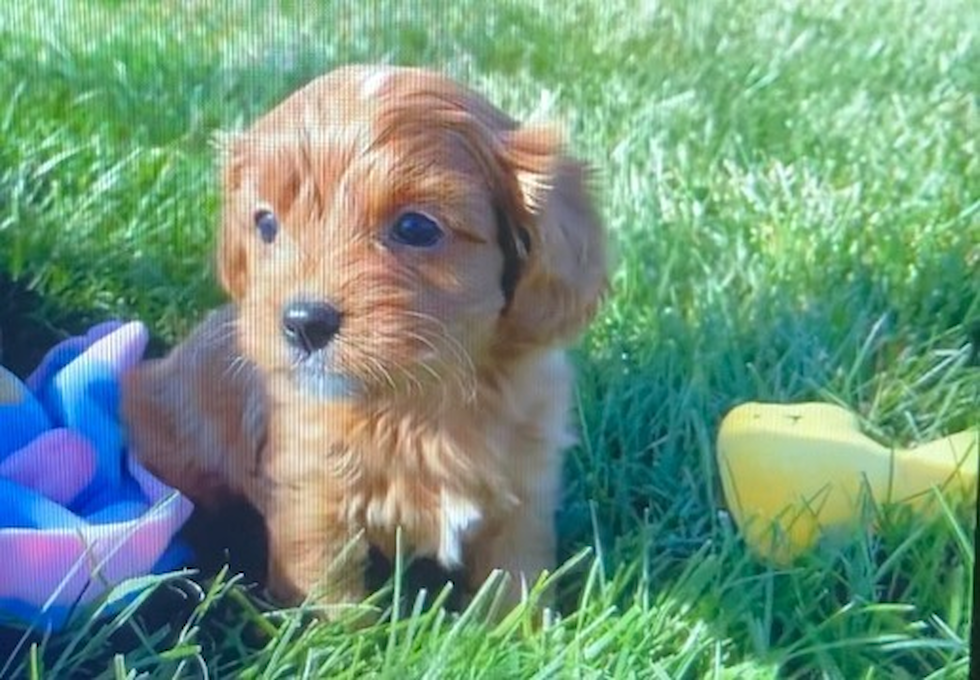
(565, 274)
(232, 253)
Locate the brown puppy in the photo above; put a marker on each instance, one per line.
(406, 264)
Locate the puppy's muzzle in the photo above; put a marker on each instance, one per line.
(310, 326)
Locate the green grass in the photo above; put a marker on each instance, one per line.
(793, 189)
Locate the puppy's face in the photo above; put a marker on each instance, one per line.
(385, 230)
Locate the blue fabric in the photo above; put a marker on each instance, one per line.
(77, 514)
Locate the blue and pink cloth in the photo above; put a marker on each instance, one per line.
(77, 514)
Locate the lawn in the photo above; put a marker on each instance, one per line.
(793, 191)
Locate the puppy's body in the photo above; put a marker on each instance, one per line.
(431, 394)
(479, 482)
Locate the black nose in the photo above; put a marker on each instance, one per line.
(310, 326)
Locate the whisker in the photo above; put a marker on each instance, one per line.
(454, 345)
(221, 332)
(236, 367)
(465, 372)
(428, 343)
(381, 371)
(412, 380)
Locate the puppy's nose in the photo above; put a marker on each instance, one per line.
(310, 326)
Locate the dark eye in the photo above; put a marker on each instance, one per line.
(416, 230)
(267, 224)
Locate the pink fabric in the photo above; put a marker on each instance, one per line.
(77, 514)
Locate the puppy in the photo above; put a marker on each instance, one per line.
(406, 264)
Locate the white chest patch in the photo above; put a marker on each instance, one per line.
(460, 518)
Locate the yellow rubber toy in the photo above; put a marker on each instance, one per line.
(792, 472)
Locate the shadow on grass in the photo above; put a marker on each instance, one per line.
(31, 324)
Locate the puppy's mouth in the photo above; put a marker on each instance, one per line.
(316, 374)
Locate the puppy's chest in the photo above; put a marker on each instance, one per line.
(437, 490)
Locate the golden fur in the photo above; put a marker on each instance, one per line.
(456, 416)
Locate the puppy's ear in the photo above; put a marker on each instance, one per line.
(232, 253)
(565, 274)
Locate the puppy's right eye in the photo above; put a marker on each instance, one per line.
(267, 225)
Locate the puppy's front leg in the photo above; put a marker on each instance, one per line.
(313, 549)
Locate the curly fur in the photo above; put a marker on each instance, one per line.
(441, 407)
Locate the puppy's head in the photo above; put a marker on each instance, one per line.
(384, 227)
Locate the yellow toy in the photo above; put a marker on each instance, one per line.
(792, 472)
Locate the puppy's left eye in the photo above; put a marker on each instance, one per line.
(267, 224)
(416, 230)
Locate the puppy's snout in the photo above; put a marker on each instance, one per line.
(310, 326)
